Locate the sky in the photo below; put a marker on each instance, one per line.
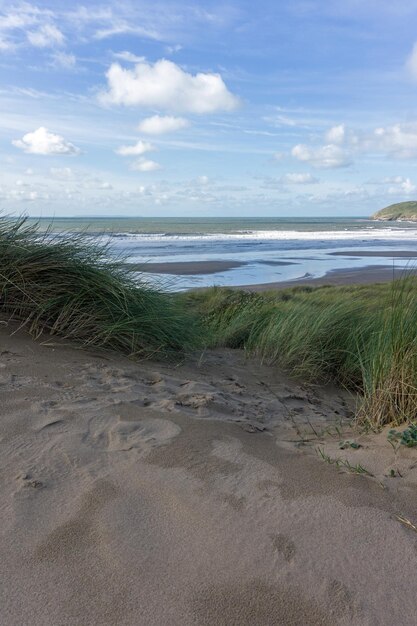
(149, 108)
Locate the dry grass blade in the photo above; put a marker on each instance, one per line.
(406, 522)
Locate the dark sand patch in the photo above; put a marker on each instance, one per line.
(279, 263)
(185, 268)
(389, 254)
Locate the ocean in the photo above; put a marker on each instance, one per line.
(259, 250)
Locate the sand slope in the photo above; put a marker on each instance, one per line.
(141, 493)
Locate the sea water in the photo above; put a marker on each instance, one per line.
(269, 249)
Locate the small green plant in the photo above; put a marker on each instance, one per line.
(343, 445)
(393, 473)
(407, 437)
(343, 463)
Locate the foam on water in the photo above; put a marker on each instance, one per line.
(368, 233)
(265, 249)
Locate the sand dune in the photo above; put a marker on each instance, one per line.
(187, 494)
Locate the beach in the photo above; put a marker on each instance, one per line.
(204, 457)
(208, 313)
(346, 276)
(179, 254)
(192, 493)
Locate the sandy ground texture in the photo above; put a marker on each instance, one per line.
(192, 494)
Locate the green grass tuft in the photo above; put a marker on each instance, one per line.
(362, 337)
(69, 286)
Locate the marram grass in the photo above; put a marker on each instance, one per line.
(362, 337)
(69, 286)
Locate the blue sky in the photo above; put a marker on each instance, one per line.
(284, 108)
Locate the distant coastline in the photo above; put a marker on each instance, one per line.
(400, 212)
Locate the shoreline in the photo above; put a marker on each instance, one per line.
(365, 274)
(347, 276)
(186, 268)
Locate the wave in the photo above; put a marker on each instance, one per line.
(363, 234)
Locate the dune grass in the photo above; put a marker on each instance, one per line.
(361, 337)
(69, 286)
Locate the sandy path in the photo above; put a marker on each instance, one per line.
(148, 494)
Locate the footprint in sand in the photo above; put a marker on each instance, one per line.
(134, 428)
(27, 481)
(143, 434)
(342, 600)
(46, 425)
(284, 546)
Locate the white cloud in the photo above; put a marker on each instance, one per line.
(41, 141)
(165, 85)
(336, 134)
(399, 140)
(145, 165)
(324, 157)
(283, 120)
(47, 36)
(141, 147)
(64, 60)
(96, 183)
(19, 17)
(298, 179)
(6, 45)
(411, 63)
(14, 20)
(401, 185)
(62, 173)
(388, 180)
(124, 55)
(173, 49)
(121, 27)
(158, 124)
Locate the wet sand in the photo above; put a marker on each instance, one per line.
(365, 275)
(390, 254)
(186, 268)
(360, 276)
(191, 494)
